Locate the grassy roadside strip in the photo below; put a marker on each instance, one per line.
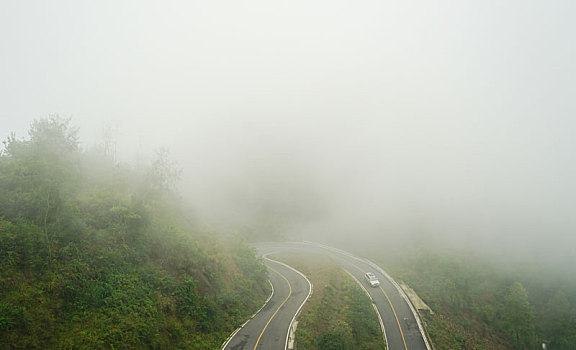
(339, 314)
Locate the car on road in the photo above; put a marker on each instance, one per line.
(371, 279)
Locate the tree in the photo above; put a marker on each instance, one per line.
(163, 173)
(39, 174)
(54, 136)
(558, 321)
(518, 317)
(160, 179)
(109, 142)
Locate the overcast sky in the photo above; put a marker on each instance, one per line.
(453, 118)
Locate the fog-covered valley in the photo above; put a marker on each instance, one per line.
(379, 127)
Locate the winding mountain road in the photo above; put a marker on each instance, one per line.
(269, 328)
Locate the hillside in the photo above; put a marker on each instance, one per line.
(479, 305)
(95, 254)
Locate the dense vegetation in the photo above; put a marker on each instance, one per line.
(479, 306)
(96, 255)
(339, 314)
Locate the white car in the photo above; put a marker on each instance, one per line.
(371, 279)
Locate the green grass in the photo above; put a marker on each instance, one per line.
(339, 315)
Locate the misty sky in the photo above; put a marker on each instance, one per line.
(454, 119)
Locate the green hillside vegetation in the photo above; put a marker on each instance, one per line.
(339, 314)
(97, 255)
(479, 306)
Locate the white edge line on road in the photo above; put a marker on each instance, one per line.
(251, 317)
(352, 256)
(408, 301)
(373, 306)
(424, 334)
(301, 305)
(389, 278)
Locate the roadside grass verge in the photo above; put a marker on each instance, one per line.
(338, 315)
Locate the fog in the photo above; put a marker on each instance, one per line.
(354, 122)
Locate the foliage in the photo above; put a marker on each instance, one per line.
(339, 314)
(479, 306)
(102, 257)
(518, 318)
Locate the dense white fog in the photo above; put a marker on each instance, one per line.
(375, 121)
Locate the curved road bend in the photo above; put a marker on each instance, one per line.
(400, 326)
(268, 329)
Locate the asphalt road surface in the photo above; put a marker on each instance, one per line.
(268, 329)
(401, 328)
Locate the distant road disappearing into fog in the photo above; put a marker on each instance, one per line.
(268, 329)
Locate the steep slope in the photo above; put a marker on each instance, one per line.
(93, 254)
